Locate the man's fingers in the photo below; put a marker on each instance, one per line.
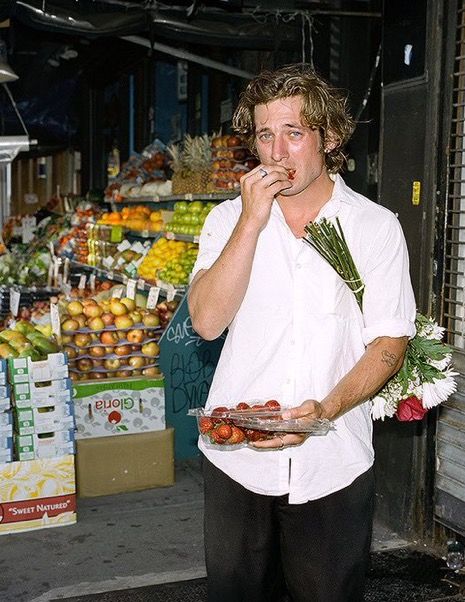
(280, 441)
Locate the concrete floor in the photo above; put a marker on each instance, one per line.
(119, 542)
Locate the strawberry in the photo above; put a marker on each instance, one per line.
(219, 410)
(259, 407)
(224, 431)
(215, 437)
(242, 406)
(255, 435)
(237, 436)
(205, 424)
(273, 404)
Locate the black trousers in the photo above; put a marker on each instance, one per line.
(262, 549)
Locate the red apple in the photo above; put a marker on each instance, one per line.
(71, 351)
(97, 351)
(92, 311)
(85, 364)
(108, 318)
(123, 350)
(109, 337)
(135, 336)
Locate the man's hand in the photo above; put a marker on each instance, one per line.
(308, 410)
(258, 190)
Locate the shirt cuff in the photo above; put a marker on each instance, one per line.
(389, 328)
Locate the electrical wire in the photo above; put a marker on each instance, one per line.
(10, 96)
(374, 69)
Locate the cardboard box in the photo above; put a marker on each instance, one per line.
(44, 445)
(30, 394)
(6, 422)
(6, 442)
(44, 419)
(108, 465)
(3, 372)
(23, 369)
(104, 408)
(5, 404)
(37, 494)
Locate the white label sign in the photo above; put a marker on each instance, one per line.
(55, 319)
(92, 282)
(14, 301)
(82, 282)
(152, 298)
(131, 289)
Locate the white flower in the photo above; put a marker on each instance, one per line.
(436, 332)
(441, 364)
(439, 390)
(381, 408)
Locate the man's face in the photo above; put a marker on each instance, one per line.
(282, 139)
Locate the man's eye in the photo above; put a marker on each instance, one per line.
(265, 136)
(295, 134)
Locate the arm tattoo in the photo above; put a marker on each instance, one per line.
(389, 358)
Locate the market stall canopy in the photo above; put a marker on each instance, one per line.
(10, 146)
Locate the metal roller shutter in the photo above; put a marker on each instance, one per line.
(450, 441)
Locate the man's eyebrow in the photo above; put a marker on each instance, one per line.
(286, 125)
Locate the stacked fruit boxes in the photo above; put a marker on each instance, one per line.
(6, 417)
(38, 489)
(43, 411)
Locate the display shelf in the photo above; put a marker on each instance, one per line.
(155, 198)
(147, 234)
(166, 289)
(182, 237)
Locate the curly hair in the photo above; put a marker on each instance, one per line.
(323, 107)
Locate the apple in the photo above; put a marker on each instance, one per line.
(94, 337)
(150, 349)
(85, 364)
(70, 325)
(81, 320)
(92, 311)
(97, 363)
(66, 339)
(151, 320)
(136, 361)
(96, 323)
(124, 361)
(117, 308)
(71, 351)
(130, 303)
(74, 308)
(108, 350)
(112, 364)
(82, 339)
(122, 373)
(97, 351)
(135, 372)
(153, 371)
(88, 302)
(109, 337)
(135, 336)
(108, 318)
(123, 350)
(123, 321)
(97, 375)
(136, 317)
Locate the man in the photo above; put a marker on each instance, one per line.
(294, 509)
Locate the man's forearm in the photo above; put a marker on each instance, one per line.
(216, 294)
(381, 360)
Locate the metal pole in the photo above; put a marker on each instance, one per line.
(189, 56)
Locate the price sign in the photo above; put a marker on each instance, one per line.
(82, 282)
(141, 284)
(92, 282)
(152, 298)
(170, 293)
(66, 288)
(14, 301)
(131, 289)
(55, 319)
(117, 293)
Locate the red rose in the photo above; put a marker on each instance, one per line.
(410, 409)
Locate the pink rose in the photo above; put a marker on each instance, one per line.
(410, 409)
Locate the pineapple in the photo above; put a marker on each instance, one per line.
(191, 165)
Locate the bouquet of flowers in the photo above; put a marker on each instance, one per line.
(426, 378)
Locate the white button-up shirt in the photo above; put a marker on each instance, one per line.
(299, 330)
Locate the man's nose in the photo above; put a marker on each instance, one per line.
(279, 150)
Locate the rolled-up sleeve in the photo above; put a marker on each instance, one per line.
(388, 301)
